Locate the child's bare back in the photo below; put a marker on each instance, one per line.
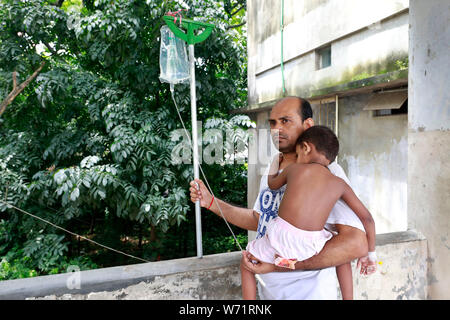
(311, 192)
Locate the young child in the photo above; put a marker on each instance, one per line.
(311, 192)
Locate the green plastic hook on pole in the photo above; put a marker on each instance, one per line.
(191, 38)
(190, 26)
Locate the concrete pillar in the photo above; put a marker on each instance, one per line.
(429, 136)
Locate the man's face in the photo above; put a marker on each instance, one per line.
(286, 124)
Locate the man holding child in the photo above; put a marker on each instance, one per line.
(314, 278)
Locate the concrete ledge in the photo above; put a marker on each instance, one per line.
(402, 274)
(108, 279)
(388, 80)
(398, 237)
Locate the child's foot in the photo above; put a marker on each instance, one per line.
(285, 263)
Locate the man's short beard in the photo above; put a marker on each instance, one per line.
(287, 149)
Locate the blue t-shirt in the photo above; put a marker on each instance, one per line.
(268, 203)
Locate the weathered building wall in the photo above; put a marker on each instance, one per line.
(402, 275)
(366, 37)
(373, 153)
(429, 136)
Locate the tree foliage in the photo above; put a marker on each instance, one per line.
(86, 144)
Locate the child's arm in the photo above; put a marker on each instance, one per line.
(275, 180)
(275, 165)
(345, 278)
(363, 214)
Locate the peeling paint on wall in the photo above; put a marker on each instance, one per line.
(401, 276)
(374, 155)
(429, 48)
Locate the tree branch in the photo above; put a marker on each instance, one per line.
(52, 51)
(232, 7)
(18, 89)
(236, 25)
(233, 13)
(14, 80)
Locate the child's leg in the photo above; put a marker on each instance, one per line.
(344, 274)
(248, 284)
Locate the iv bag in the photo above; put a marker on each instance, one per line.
(173, 60)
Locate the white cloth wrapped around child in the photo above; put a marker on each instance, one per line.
(287, 241)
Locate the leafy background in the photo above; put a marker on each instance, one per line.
(87, 144)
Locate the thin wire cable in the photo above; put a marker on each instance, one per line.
(54, 210)
(201, 169)
(72, 233)
(257, 276)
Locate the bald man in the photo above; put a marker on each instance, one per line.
(314, 278)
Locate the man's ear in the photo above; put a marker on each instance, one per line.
(308, 123)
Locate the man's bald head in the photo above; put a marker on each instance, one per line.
(302, 106)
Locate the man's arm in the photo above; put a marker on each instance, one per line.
(349, 244)
(241, 217)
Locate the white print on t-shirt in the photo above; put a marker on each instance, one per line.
(269, 202)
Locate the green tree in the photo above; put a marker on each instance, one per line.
(86, 142)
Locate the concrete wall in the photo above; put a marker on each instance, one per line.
(366, 38)
(402, 275)
(429, 136)
(373, 153)
(402, 272)
(212, 277)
